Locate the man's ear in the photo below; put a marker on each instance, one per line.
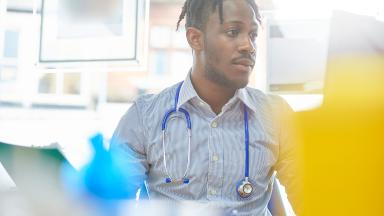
(195, 38)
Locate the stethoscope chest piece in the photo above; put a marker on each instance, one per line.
(244, 188)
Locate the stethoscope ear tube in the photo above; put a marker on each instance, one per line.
(168, 114)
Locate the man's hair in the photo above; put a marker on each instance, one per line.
(197, 12)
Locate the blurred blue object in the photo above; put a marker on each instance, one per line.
(107, 177)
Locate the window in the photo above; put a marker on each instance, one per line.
(158, 59)
(84, 31)
(160, 37)
(170, 55)
(8, 73)
(72, 83)
(47, 83)
(10, 53)
(11, 44)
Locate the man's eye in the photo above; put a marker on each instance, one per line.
(232, 33)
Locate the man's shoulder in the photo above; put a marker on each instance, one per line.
(156, 99)
(272, 107)
(262, 98)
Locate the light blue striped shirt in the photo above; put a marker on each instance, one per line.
(217, 147)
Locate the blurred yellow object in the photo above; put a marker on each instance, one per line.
(355, 81)
(342, 143)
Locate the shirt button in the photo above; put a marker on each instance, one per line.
(215, 158)
(212, 192)
(214, 124)
(201, 103)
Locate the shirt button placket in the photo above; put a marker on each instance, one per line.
(215, 169)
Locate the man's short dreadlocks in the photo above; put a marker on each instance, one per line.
(197, 12)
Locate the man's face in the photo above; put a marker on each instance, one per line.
(229, 48)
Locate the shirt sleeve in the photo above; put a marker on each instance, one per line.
(287, 163)
(128, 142)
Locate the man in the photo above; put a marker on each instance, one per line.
(238, 135)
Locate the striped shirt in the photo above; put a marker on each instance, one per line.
(217, 160)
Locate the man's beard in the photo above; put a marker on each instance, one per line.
(215, 76)
(218, 77)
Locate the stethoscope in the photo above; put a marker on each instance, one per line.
(244, 187)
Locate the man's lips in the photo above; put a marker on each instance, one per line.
(244, 62)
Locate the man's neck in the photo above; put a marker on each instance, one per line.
(213, 94)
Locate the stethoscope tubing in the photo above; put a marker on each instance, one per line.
(174, 109)
(246, 136)
(189, 127)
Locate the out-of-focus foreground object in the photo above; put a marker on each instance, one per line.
(36, 172)
(105, 183)
(342, 145)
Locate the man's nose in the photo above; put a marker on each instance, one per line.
(247, 45)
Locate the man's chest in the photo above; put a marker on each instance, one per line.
(213, 157)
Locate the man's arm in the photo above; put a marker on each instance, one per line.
(128, 147)
(287, 164)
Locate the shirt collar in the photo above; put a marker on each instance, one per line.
(243, 95)
(187, 92)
